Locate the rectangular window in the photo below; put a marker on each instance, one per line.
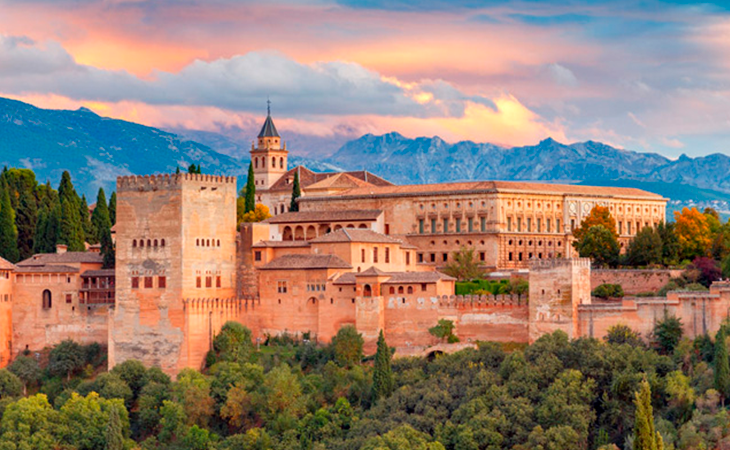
(420, 226)
(257, 255)
(423, 287)
(162, 282)
(519, 256)
(387, 228)
(135, 282)
(509, 224)
(529, 224)
(281, 287)
(539, 225)
(510, 256)
(446, 225)
(375, 254)
(628, 227)
(218, 281)
(482, 256)
(471, 225)
(433, 257)
(483, 221)
(387, 254)
(557, 226)
(519, 224)
(148, 282)
(208, 282)
(638, 226)
(69, 298)
(433, 225)
(445, 257)
(572, 224)
(198, 282)
(547, 225)
(620, 228)
(362, 255)
(420, 257)
(408, 258)
(458, 225)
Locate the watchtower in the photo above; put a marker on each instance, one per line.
(269, 157)
(176, 239)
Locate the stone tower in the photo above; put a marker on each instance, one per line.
(557, 287)
(269, 157)
(176, 240)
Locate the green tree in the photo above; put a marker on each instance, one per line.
(233, 343)
(26, 218)
(100, 217)
(667, 333)
(722, 366)
(66, 358)
(10, 384)
(444, 330)
(645, 248)
(48, 228)
(296, 192)
(464, 265)
(645, 436)
(402, 438)
(132, 372)
(347, 345)
(113, 208)
(27, 369)
(670, 243)
(108, 251)
(599, 244)
(383, 382)
(114, 431)
(90, 233)
(71, 230)
(622, 334)
(250, 203)
(30, 423)
(599, 215)
(8, 230)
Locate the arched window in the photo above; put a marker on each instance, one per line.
(410, 289)
(367, 291)
(400, 289)
(256, 163)
(392, 290)
(134, 242)
(218, 243)
(287, 235)
(155, 242)
(273, 162)
(148, 243)
(162, 243)
(141, 242)
(281, 163)
(207, 243)
(47, 300)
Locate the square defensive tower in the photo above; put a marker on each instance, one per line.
(176, 240)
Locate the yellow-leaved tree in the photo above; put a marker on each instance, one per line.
(599, 215)
(693, 233)
(261, 212)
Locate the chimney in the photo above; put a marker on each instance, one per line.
(61, 248)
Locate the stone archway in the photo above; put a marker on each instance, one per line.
(288, 235)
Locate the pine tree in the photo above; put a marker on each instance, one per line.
(86, 225)
(113, 208)
(114, 433)
(8, 230)
(722, 366)
(100, 217)
(296, 192)
(250, 204)
(383, 383)
(645, 435)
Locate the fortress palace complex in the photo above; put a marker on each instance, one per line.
(361, 251)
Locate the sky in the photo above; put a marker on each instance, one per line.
(645, 75)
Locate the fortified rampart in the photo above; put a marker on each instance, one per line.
(634, 281)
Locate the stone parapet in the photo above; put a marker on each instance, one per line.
(154, 182)
(548, 264)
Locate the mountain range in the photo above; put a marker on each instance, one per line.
(97, 149)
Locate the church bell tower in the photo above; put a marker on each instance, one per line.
(269, 157)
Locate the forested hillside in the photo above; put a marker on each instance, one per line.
(294, 394)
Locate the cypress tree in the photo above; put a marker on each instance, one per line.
(645, 436)
(8, 230)
(86, 225)
(26, 221)
(250, 204)
(296, 192)
(100, 217)
(39, 239)
(114, 434)
(113, 208)
(107, 249)
(722, 367)
(383, 383)
(71, 231)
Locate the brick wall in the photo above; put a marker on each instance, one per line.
(634, 281)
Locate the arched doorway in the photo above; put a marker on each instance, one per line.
(367, 291)
(311, 232)
(288, 235)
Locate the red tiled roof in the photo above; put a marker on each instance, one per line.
(356, 235)
(51, 268)
(493, 186)
(6, 265)
(326, 216)
(280, 244)
(308, 178)
(62, 258)
(99, 273)
(396, 277)
(291, 262)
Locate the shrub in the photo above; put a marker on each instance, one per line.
(608, 290)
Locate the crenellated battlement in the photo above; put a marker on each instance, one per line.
(161, 181)
(547, 264)
(477, 301)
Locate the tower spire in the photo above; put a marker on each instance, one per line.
(268, 106)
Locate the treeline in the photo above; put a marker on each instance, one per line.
(293, 394)
(34, 217)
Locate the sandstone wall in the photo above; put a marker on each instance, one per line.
(634, 281)
(6, 318)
